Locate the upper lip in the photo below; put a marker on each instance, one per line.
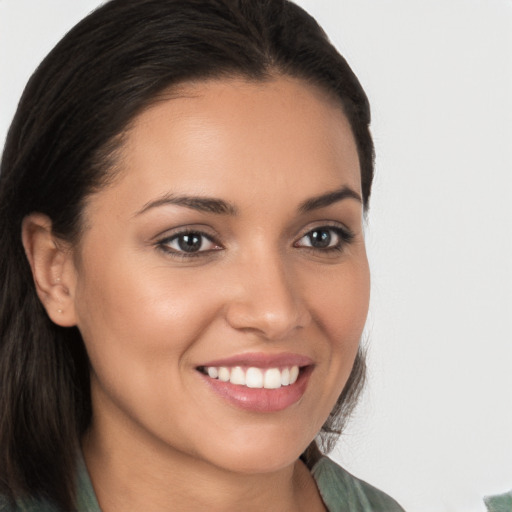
(262, 360)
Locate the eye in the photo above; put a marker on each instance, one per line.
(188, 243)
(325, 238)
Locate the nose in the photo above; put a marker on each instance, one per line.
(267, 299)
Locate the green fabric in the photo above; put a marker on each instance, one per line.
(86, 498)
(499, 503)
(340, 491)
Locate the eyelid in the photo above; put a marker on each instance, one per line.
(326, 224)
(203, 229)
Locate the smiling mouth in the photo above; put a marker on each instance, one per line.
(254, 377)
(259, 382)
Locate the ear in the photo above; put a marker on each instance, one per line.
(53, 269)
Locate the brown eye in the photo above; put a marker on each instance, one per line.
(189, 242)
(320, 238)
(325, 238)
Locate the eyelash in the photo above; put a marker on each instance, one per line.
(343, 235)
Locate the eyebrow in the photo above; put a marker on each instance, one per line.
(202, 204)
(329, 198)
(221, 207)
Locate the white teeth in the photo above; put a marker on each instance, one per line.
(285, 377)
(237, 376)
(224, 374)
(294, 373)
(254, 378)
(272, 378)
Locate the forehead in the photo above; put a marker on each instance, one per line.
(226, 136)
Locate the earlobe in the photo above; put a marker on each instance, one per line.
(51, 262)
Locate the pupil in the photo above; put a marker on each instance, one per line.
(190, 243)
(320, 238)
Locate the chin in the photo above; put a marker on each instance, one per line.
(260, 454)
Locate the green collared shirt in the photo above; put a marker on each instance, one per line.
(499, 503)
(340, 491)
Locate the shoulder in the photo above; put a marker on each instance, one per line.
(499, 503)
(343, 492)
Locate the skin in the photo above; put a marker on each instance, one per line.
(160, 439)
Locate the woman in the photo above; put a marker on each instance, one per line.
(181, 314)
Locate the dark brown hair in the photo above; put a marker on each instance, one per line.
(60, 149)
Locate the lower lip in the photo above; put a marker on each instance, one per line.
(261, 399)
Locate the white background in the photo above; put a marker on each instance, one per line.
(435, 426)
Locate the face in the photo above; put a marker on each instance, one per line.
(221, 285)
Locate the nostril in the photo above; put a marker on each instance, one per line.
(268, 319)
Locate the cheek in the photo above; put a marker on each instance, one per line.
(130, 297)
(342, 306)
(140, 325)
(340, 312)
(140, 321)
